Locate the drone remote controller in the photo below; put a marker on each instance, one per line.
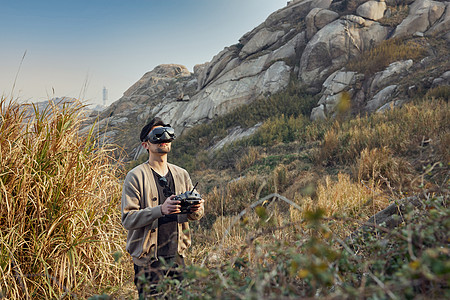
(187, 199)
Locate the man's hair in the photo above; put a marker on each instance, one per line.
(147, 128)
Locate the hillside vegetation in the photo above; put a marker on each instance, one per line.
(283, 203)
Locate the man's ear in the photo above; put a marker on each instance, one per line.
(145, 145)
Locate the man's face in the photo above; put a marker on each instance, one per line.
(162, 148)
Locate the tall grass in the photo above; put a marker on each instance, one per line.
(379, 57)
(400, 130)
(345, 199)
(59, 197)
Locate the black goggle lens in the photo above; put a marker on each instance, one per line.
(161, 135)
(159, 131)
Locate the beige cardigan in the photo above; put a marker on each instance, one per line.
(140, 212)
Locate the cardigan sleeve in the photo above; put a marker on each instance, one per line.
(133, 216)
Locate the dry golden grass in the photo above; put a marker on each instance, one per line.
(400, 130)
(383, 167)
(59, 192)
(444, 149)
(248, 159)
(379, 158)
(349, 202)
(379, 57)
(398, 14)
(373, 150)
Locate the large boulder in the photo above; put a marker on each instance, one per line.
(164, 84)
(394, 71)
(444, 79)
(381, 98)
(337, 82)
(235, 134)
(276, 31)
(291, 14)
(155, 81)
(260, 41)
(241, 85)
(335, 44)
(311, 39)
(317, 19)
(333, 90)
(422, 16)
(290, 49)
(373, 10)
(318, 113)
(442, 26)
(211, 70)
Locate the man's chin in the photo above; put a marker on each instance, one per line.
(163, 148)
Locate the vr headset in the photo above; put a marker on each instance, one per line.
(161, 135)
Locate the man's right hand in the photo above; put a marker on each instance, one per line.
(171, 206)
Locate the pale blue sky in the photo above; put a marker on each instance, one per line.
(112, 43)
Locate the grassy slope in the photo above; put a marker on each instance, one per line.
(349, 168)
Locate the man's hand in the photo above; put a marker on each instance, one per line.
(196, 207)
(171, 206)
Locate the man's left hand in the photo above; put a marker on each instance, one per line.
(196, 207)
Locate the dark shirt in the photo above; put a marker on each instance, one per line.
(168, 224)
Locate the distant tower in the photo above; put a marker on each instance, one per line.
(105, 96)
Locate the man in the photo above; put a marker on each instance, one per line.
(157, 231)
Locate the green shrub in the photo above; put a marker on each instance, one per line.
(281, 129)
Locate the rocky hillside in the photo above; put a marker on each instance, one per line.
(328, 46)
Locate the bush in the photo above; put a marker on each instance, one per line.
(281, 129)
(439, 92)
(343, 198)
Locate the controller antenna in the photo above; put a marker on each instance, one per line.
(194, 187)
